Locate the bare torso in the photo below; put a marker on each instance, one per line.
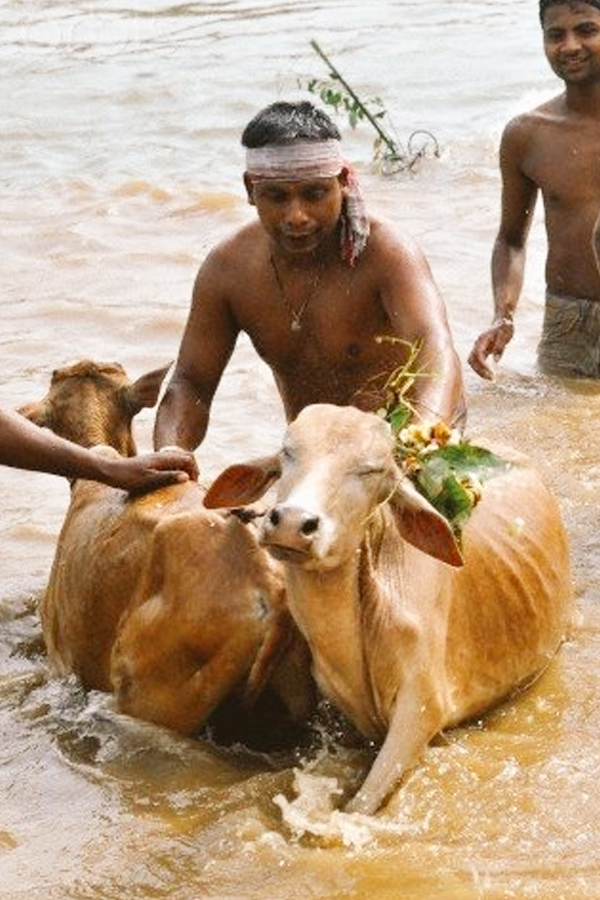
(335, 353)
(561, 155)
(318, 324)
(334, 349)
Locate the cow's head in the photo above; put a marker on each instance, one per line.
(335, 469)
(94, 403)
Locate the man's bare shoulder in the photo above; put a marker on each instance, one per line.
(232, 261)
(527, 123)
(388, 238)
(242, 242)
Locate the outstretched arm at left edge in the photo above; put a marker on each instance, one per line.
(24, 445)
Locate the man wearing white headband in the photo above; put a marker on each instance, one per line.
(315, 159)
(332, 299)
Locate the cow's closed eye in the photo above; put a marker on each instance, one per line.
(367, 471)
(287, 454)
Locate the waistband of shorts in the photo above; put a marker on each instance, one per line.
(568, 300)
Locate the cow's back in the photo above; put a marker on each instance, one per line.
(512, 601)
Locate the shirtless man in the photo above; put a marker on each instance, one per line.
(25, 446)
(554, 150)
(316, 284)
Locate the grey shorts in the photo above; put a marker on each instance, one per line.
(570, 343)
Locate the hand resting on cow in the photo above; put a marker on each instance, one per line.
(25, 446)
(409, 635)
(173, 606)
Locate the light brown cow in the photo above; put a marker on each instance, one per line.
(405, 639)
(170, 604)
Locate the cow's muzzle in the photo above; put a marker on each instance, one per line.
(290, 532)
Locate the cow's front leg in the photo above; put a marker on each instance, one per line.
(415, 719)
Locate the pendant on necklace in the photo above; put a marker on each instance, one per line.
(296, 315)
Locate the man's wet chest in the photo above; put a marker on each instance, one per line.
(316, 342)
(566, 165)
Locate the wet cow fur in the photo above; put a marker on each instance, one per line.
(172, 606)
(408, 634)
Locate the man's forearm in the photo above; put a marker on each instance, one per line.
(181, 419)
(24, 445)
(439, 392)
(441, 402)
(508, 268)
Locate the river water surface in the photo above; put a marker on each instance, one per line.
(120, 166)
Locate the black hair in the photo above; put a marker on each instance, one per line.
(545, 4)
(282, 123)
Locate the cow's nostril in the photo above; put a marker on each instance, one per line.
(310, 526)
(274, 517)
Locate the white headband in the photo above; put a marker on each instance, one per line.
(299, 159)
(317, 159)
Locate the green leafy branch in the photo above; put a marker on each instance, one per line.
(337, 93)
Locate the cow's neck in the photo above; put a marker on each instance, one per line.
(356, 616)
(326, 607)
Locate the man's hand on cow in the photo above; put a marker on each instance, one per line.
(491, 342)
(148, 471)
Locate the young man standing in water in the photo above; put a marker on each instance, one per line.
(332, 300)
(554, 150)
(25, 446)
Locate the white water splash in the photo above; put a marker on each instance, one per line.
(313, 813)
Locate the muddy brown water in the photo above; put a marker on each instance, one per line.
(120, 168)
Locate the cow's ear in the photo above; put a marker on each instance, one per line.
(243, 483)
(423, 526)
(143, 393)
(36, 412)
